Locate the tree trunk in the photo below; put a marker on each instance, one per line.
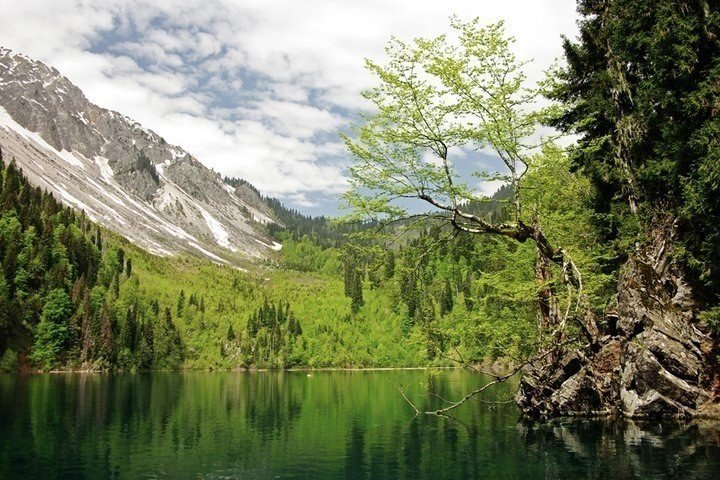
(547, 300)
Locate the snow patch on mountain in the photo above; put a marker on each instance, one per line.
(218, 231)
(206, 252)
(105, 170)
(7, 121)
(122, 174)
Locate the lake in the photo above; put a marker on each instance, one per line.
(339, 424)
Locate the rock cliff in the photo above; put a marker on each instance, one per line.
(651, 359)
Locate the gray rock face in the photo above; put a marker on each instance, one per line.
(121, 174)
(652, 361)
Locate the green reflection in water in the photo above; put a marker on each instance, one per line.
(324, 425)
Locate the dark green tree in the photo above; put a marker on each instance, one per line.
(181, 303)
(353, 282)
(446, 298)
(389, 270)
(230, 334)
(640, 90)
(168, 347)
(145, 346)
(107, 337)
(126, 344)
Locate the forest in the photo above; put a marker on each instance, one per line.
(75, 296)
(465, 279)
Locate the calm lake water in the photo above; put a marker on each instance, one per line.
(352, 425)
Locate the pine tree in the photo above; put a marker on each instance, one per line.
(353, 282)
(115, 286)
(107, 349)
(145, 346)
(181, 303)
(410, 293)
(168, 348)
(467, 290)
(230, 334)
(6, 324)
(120, 260)
(128, 331)
(252, 325)
(155, 307)
(446, 299)
(389, 270)
(356, 295)
(87, 340)
(294, 327)
(640, 90)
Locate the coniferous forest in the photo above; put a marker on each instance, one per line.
(60, 292)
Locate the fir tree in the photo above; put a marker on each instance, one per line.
(446, 299)
(181, 303)
(106, 336)
(389, 270)
(640, 91)
(230, 334)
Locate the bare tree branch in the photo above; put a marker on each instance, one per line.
(402, 392)
(498, 379)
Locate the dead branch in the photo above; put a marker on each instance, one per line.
(402, 392)
(498, 379)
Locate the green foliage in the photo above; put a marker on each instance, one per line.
(640, 90)
(306, 255)
(168, 346)
(711, 318)
(354, 275)
(435, 97)
(272, 337)
(561, 200)
(62, 290)
(53, 332)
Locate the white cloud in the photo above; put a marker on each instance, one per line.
(253, 88)
(488, 188)
(294, 119)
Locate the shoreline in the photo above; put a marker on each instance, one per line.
(497, 367)
(234, 370)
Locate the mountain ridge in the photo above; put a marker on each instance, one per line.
(123, 175)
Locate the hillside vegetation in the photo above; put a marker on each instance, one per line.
(76, 296)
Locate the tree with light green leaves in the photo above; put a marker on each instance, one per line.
(53, 332)
(438, 100)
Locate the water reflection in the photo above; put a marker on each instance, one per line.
(627, 449)
(329, 425)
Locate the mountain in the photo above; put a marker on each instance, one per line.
(121, 174)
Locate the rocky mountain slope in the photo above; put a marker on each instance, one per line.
(123, 175)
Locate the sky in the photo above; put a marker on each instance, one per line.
(256, 89)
